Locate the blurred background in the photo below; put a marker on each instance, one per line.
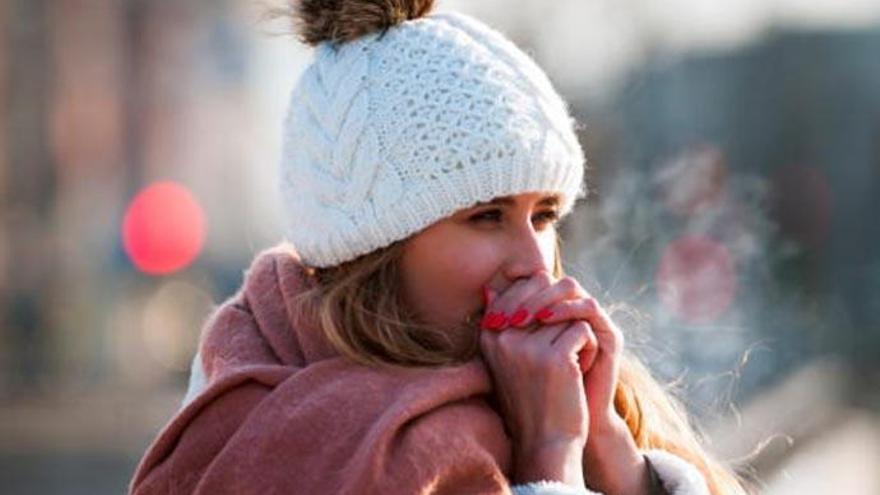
(734, 176)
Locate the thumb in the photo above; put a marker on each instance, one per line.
(579, 338)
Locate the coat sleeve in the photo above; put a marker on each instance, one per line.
(546, 487)
(675, 476)
(196, 380)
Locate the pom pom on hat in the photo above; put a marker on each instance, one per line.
(404, 118)
(345, 20)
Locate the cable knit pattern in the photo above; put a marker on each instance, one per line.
(391, 132)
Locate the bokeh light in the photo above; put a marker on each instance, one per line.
(172, 319)
(696, 278)
(164, 229)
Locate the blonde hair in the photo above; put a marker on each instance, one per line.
(359, 308)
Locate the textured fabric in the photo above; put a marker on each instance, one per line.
(271, 408)
(549, 488)
(282, 412)
(196, 380)
(655, 484)
(386, 134)
(678, 476)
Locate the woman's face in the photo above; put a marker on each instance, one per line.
(445, 266)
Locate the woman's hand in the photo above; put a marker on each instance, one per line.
(537, 377)
(612, 462)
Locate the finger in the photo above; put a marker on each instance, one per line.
(609, 334)
(539, 306)
(508, 304)
(491, 320)
(489, 345)
(578, 342)
(588, 308)
(572, 309)
(545, 335)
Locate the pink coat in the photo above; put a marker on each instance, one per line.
(284, 413)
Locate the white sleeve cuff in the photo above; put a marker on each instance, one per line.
(678, 476)
(196, 380)
(545, 487)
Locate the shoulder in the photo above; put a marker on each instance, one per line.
(277, 267)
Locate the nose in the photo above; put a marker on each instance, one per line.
(528, 253)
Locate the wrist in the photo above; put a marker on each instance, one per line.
(613, 463)
(553, 461)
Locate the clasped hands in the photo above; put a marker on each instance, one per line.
(554, 354)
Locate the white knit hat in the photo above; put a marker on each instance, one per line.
(390, 132)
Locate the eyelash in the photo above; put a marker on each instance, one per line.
(550, 216)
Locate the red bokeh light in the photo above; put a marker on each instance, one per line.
(163, 229)
(696, 278)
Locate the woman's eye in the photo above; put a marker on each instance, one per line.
(544, 217)
(490, 215)
(550, 216)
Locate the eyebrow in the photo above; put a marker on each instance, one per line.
(508, 200)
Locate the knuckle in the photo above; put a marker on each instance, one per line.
(518, 284)
(591, 303)
(542, 279)
(568, 284)
(584, 328)
(580, 326)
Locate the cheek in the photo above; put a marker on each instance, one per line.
(443, 283)
(548, 251)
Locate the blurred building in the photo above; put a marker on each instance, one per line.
(98, 99)
(773, 152)
(733, 204)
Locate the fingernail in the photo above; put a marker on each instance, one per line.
(488, 295)
(519, 317)
(488, 318)
(543, 314)
(503, 323)
(493, 321)
(499, 322)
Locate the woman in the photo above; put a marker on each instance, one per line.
(419, 336)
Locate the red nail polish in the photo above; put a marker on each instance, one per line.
(484, 323)
(494, 321)
(489, 321)
(497, 321)
(519, 317)
(543, 314)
